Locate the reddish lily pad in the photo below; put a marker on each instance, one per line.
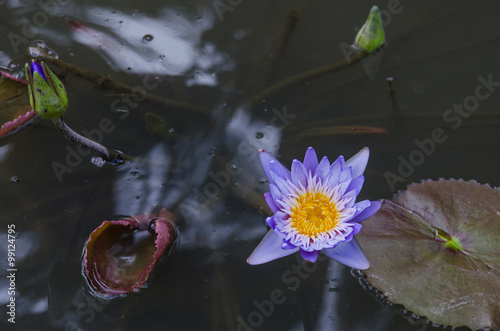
(120, 255)
(15, 109)
(435, 249)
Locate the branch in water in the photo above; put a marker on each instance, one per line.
(106, 82)
(305, 76)
(107, 155)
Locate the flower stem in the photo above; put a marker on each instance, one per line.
(107, 155)
(305, 76)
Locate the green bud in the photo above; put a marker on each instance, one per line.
(371, 37)
(47, 94)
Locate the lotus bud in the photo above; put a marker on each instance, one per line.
(47, 93)
(371, 37)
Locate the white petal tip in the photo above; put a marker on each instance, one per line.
(269, 249)
(358, 162)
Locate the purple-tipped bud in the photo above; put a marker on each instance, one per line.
(47, 94)
(36, 67)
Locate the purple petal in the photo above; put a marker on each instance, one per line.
(360, 206)
(309, 256)
(283, 186)
(279, 170)
(275, 192)
(367, 212)
(310, 161)
(271, 221)
(323, 168)
(299, 173)
(265, 160)
(358, 162)
(356, 184)
(343, 187)
(269, 249)
(356, 229)
(36, 67)
(350, 254)
(349, 237)
(345, 175)
(280, 233)
(270, 202)
(352, 196)
(286, 244)
(335, 170)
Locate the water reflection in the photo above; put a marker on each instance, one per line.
(192, 177)
(140, 187)
(169, 44)
(23, 248)
(4, 152)
(211, 173)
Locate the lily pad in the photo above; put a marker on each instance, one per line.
(15, 109)
(120, 255)
(435, 250)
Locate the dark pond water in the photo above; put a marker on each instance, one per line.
(200, 161)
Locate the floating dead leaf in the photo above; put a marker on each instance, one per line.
(434, 249)
(120, 255)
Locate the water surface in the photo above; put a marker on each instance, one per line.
(201, 162)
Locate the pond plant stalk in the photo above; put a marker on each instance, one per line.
(106, 154)
(369, 40)
(49, 100)
(106, 82)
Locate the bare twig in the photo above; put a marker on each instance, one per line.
(107, 155)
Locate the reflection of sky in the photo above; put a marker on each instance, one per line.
(167, 179)
(4, 60)
(175, 49)
(140, 188)
(123, 40)
(25, 246)
(4, 152)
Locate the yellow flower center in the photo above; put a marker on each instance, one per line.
(314, 213)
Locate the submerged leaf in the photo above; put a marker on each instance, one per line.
(15, 109)
(435, 250)
(336, 130)
(120, 255)
(156, 125)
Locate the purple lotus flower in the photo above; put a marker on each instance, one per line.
(314, 209)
